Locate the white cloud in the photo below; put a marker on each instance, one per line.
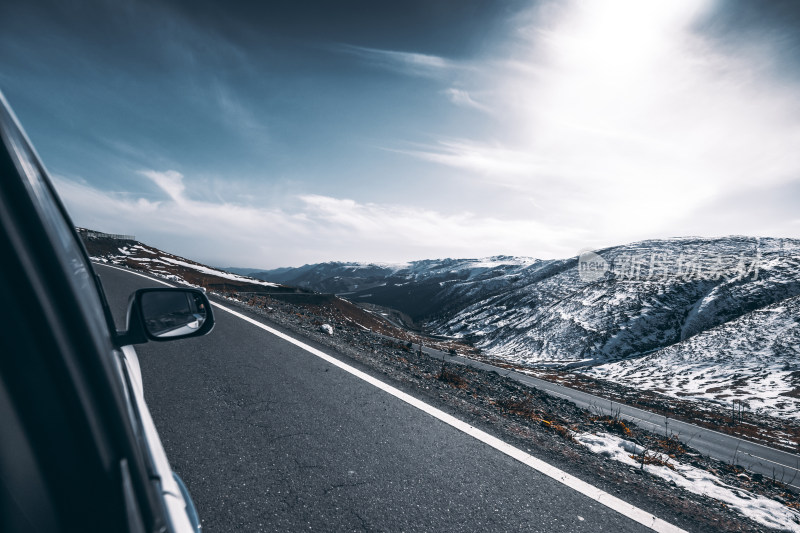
(316, 228)
(171, 182)
(405, 62)
(238, 116)
(604, 122)
(494, 162)
(464, 234)
(618, 113)
(462, 98)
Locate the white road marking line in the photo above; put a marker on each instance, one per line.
(770, 461)
(612, 502)
(574, 483)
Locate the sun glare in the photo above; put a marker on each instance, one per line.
(616, 38)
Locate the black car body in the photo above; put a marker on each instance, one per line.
(78, 448)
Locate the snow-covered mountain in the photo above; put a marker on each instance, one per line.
(335, 277)
(422, 289)
(656, 293)
(691, 316)
(754, 359)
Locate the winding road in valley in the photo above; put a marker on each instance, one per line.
(764, 460)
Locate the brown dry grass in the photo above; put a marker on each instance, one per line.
(524, 408)
(648, 458)
(614, 425)
(757, 428)
(452, 379)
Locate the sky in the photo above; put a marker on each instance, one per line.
(285, 133)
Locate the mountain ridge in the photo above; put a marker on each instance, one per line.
(645, 304)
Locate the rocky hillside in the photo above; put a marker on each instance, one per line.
(707, 318)
(752, 360)
(104, 248)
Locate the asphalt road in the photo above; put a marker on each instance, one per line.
(755, 457)
(269, 437)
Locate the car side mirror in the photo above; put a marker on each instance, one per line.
(166, 315)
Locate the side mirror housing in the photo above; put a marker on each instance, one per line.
(166, 315)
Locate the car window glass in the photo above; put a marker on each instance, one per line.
(60, 232)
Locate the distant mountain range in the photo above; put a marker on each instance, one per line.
(708, 318)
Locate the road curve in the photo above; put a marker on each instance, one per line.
(769, 462)
(269, 437)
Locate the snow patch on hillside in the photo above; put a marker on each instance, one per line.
(754, 359)
(162, 264)
(763, 510)
(218, 273)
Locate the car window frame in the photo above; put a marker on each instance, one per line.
(38, 225)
